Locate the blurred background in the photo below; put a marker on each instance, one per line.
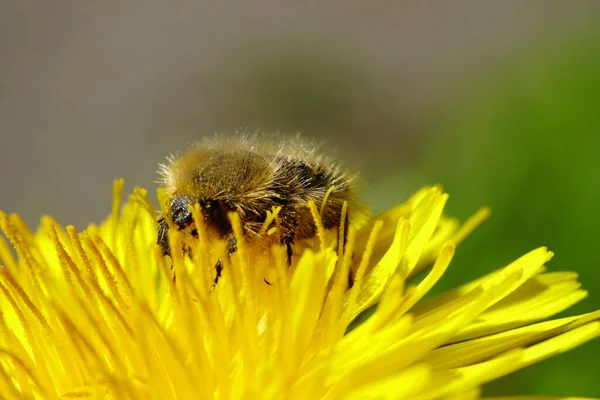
(497, 101)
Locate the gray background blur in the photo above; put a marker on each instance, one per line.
(91, 91)
(95, 90)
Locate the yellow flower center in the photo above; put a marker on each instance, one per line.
(97, 314)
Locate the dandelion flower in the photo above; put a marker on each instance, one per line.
(97, 314)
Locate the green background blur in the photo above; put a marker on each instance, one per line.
(525, 139)
(497, 101)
